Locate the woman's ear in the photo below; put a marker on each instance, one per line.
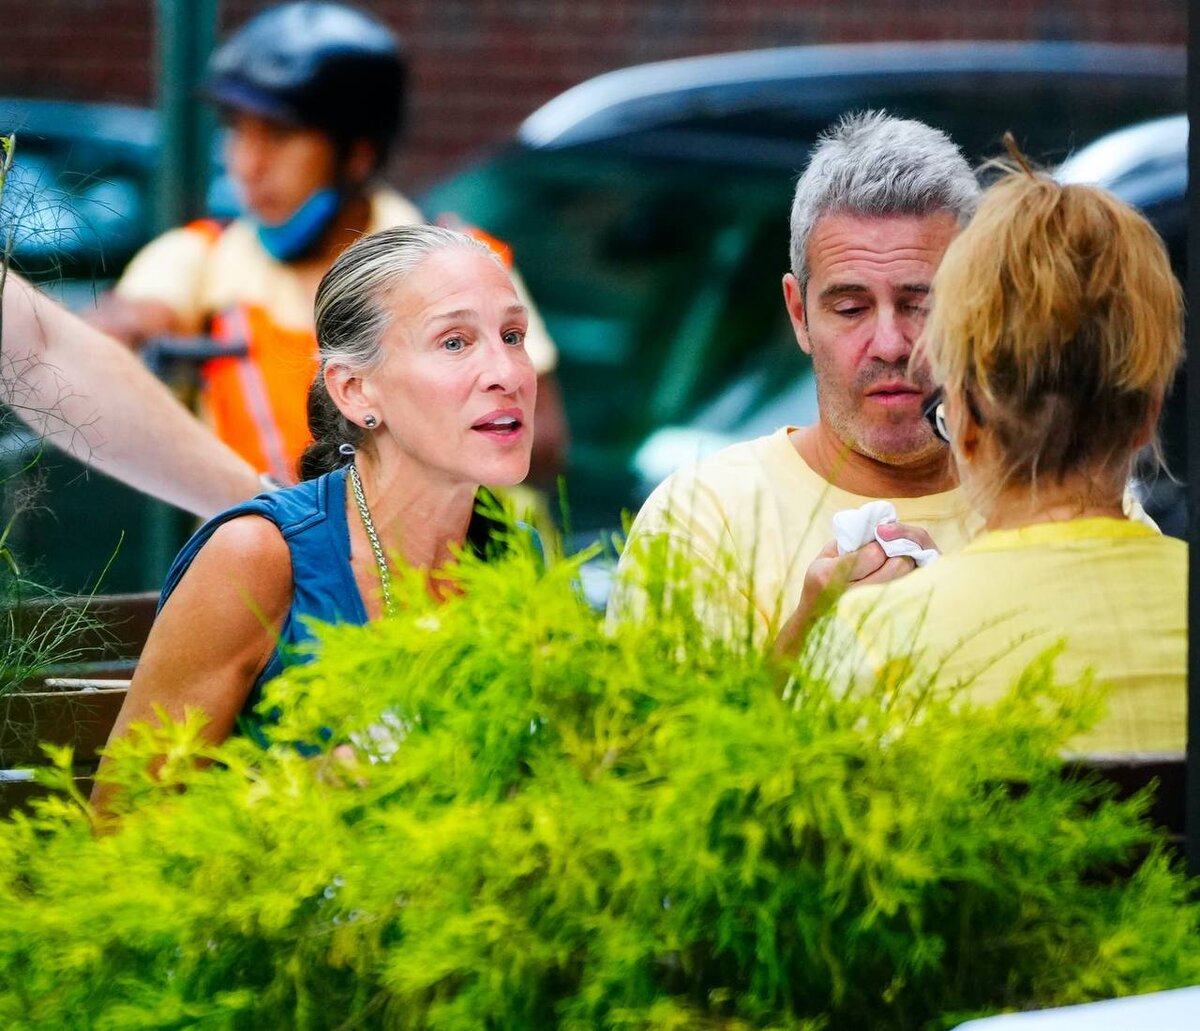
(350, 391)
(359, 163)
(965, 432)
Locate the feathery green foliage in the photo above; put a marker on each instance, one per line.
(548, 825)
(29, 646)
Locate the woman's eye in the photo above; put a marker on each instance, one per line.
(454, 343)
(514, 337)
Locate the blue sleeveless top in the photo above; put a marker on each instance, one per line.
(312, 518)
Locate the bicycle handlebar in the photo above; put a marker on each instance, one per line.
(164, 352)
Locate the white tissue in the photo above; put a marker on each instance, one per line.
(855, 527)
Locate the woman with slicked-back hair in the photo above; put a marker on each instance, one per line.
(424, 394)
(1055, 333)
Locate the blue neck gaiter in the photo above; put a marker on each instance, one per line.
(289, 239)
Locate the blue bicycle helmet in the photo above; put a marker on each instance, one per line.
(320, 65)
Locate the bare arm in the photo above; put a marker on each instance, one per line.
(89, 396)
(214, 635)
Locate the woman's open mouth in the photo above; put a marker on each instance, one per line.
(502, 425)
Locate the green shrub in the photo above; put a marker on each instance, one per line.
(547, 825)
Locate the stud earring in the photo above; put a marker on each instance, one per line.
(370, 422)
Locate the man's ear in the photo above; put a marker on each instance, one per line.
(359, 163)
(350, 392)
(793, 300)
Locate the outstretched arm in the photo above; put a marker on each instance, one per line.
(88, 395)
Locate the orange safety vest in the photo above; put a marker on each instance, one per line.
(257, 403)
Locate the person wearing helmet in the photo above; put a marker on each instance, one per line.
(312, 98)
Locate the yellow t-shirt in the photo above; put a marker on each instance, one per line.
(1113, 591)
(746, 523)
(198, 277)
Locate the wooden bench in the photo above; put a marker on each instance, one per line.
(80, 715)
(107, 630)
(1132, 772)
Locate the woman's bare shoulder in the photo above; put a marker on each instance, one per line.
(246, 556)
(248, 538)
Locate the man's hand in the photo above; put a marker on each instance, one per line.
(831, 574)
(868, 565)
(133, 322)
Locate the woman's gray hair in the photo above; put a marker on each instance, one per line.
(352, 316)
(872, 164)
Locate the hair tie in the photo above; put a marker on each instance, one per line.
(346, 449)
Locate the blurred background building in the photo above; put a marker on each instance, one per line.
(480, 66)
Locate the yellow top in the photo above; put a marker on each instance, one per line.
(747, 522)
(198, 277)
(1112, 590)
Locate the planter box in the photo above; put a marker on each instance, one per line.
(73, 703)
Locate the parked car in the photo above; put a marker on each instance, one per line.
(647, 209)
(80, 198)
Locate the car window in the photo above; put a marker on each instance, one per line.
(72, 223)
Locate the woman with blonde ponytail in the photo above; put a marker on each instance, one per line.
(1055, 333)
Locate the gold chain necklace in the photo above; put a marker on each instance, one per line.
(385, 576)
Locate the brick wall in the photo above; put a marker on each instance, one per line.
(479, 66)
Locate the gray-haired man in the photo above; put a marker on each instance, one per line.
(873, 214)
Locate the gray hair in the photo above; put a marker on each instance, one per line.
(870, 163)
(351, 310)
(352, 316)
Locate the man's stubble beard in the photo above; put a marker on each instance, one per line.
(916, 444)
